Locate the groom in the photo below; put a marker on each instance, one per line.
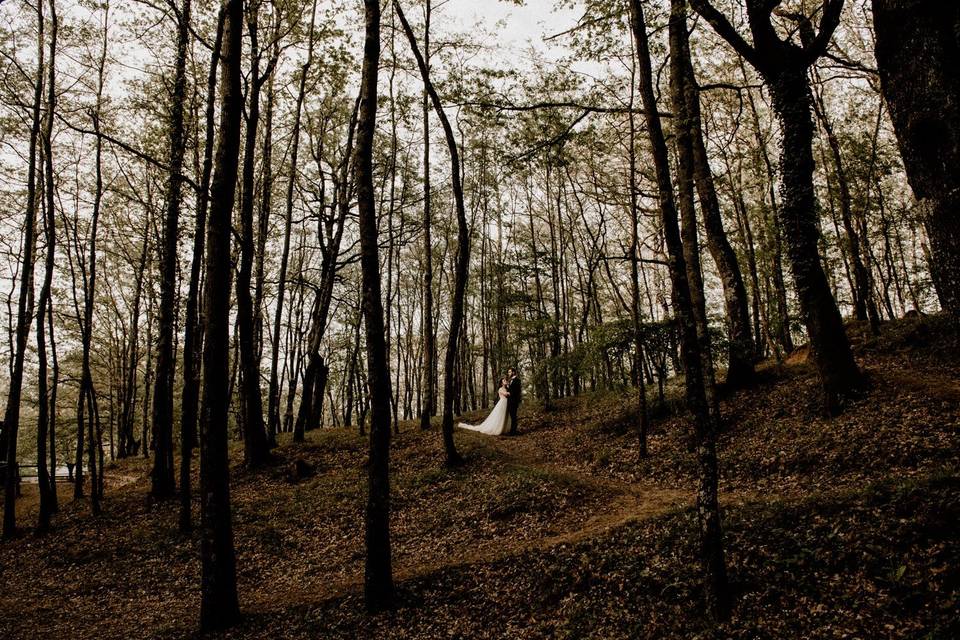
(514, 399)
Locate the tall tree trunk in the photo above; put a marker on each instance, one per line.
(784, 67)
(635, 303)
(11, 422)
(378, 574)
(684, 134)
(254, 437)
(463, 249)
(193, 331)
(917, 51)
(708, 508)
(54, 385)
(162, 484)
(864, 305)
(782, 329)
(830, 349)
(87, 400)
(45, 397)
(741, 348)
(273, 410)
(219, 607)
(263, 216)
(429, 342)
(330, 236)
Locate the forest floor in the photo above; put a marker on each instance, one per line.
(842, 527)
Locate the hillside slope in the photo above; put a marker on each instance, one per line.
(835, 528)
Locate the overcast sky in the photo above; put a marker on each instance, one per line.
(522, 26)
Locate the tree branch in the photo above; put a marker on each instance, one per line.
(726, 30)
(828, 24)
(128, 148)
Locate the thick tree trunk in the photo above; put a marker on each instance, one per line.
(784, 66)
(219, 607)
(708, 508)
(378, 574)
(829, 347)
(917, 53)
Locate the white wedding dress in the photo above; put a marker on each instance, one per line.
(496, 422)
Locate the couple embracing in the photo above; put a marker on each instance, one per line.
(511, 395)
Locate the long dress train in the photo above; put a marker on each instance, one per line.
(496, 422)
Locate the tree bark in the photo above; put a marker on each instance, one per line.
(708, 508)
(46, 397)
(684, 134)
(429, 341)
(635, 302)
(917, 54)
(784, 66)
(219, 607)
(741, 347)
(162, 484)
(378, 574)
(273, 409)
(255, 450)
(193, 331)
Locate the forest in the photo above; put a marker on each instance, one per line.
(499, 319)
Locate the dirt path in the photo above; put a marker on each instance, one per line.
(930, 384)
(627, 503)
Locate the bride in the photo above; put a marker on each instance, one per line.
(496, 422)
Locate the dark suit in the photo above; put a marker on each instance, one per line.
(513, 403)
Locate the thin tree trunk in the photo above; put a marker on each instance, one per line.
(463, 249)
(684, 134)
(193, 333)
(254, 436)
(378, 574)
(864, 305)
(429, 342)
(708, 508)
(741, 348)
(273, 411)
(45, 397)
(11, 421)
(162, 484)
(635, 311)
(54, 385)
